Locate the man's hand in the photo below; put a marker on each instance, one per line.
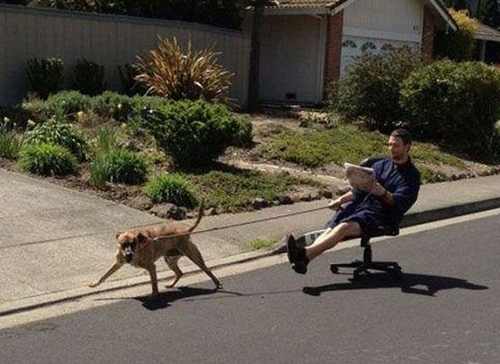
(335, 204)
(374, 188)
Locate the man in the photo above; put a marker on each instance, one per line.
(380, 203)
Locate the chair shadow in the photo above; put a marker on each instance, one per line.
(421, 284)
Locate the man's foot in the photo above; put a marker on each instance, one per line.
(291, 248)
(300, 267)
(296, 255)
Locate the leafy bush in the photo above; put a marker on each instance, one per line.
(125, 108)
(47, 160)
(56, 132)
(10, 144)
(169, 72)
(120, 166)
(113, 105)
(107, 139)
(68, 103)
(457, 46)
(196, 133)
(171, 188)
(130, 86)
(455, 103)
(371, 87)
(88, 77)
(62, 104)
(45, 76)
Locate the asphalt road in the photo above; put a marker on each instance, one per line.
(445, 310)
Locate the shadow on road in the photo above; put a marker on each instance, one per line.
(421, 284)
(166, 298)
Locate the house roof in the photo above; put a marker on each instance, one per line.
(325, 6)
(307, 3)
(484, 32)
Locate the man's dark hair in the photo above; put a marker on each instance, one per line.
(403, 134)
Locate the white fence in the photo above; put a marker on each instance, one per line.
(108, 40)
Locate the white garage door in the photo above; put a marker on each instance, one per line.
(355, 46)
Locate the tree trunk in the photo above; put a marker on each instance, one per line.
(254, 73)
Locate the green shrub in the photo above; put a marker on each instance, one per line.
(171, 188)
(107, 139)
(196, 133)
(10, 144)
(62, 104)
(455, 103)
(88, 77)
(371, 86)
(45, 76)
(68, 103)
(125, 108)
(47, 160)
(119, 166)
(113, 105)
(129, 85)
(56, 132)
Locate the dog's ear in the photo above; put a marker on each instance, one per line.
(118, 233)
(142, 239)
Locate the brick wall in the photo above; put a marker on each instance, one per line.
(333, 46)
(428, 34)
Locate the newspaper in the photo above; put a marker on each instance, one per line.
(358, 176)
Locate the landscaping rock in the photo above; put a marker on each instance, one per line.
(304, 196)
(259, 203)
(315, 195)
(285, 200)
(180, 213)
(327, 193)
(141, 203)
(165, 211)
(212, 211)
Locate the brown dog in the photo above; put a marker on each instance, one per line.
(139, 248)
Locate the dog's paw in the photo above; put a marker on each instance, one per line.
(94, 284)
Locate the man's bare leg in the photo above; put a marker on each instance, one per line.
(332, 237)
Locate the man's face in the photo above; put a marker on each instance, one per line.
(399, 151)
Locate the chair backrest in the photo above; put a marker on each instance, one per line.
(368, 162)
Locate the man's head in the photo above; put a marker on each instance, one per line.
(399, 145)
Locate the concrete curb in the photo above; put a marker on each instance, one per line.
(412, 219)
(36, 302)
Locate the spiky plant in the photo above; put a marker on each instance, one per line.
(169, 72)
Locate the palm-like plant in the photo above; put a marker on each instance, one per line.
(170, 72)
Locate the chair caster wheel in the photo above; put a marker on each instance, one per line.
(334, 269)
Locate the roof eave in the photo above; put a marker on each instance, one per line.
(312, 10)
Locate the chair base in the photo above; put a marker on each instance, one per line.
(365, 267)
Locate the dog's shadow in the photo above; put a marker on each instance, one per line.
(421, 284)
(165, 299)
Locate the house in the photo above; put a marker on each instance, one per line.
(308, 43)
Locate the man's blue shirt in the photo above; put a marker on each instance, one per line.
(370, 211)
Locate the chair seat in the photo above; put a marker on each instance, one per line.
(383, 230)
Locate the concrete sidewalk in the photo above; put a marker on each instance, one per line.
(55, 241)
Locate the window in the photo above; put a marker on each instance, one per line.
(387, 47)
(349, 44)
(369, 46)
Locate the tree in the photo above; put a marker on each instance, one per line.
(254, 73)
(488, 13)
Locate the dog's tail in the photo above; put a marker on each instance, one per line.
(200, 215)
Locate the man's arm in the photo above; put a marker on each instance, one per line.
(345, 198)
